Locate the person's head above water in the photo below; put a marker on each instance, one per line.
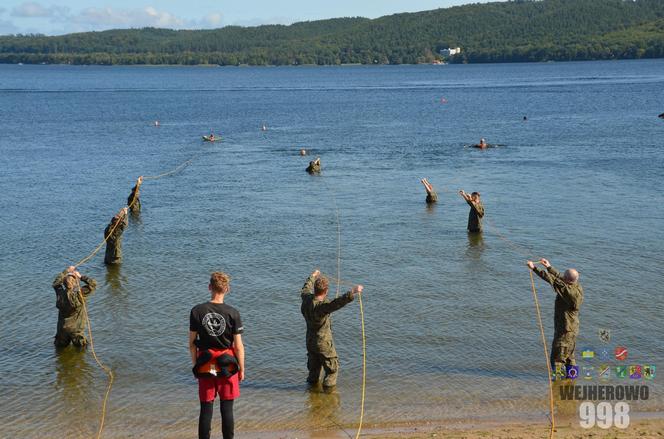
(303, 151)
(571, 276)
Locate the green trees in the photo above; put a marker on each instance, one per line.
(513, 31)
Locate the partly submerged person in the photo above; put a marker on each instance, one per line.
(432, 196)
(113, 237)
(569, 297)
(314, 166)
(69, 297)
(316, 309)
(476, 211)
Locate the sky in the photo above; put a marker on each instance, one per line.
(55, 17)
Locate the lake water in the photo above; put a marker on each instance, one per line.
(450, 321)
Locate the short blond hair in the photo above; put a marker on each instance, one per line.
(219, 282)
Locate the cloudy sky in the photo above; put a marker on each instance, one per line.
(53, 17)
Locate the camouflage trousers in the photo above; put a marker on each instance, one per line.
(64, 337)
(316, 363)
(562, 350)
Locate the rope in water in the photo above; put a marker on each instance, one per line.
(86, 259)
(364, 339)
(105, 368)
(527, 253)
(546, 354)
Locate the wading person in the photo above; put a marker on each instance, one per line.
(69, 297)
(217, 355)
(314, 166)
(476, 211)
(432, 197)
(316, 309)
(134, 201)
(113, 237)
(569, 296)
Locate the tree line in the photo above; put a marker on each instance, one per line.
(514, 31)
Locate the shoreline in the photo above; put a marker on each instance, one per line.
(642, 426)
(325, 65)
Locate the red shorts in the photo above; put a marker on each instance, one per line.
(226, 388)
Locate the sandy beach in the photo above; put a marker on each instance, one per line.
(643, 428)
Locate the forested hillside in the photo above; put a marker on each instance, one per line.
(514, 31)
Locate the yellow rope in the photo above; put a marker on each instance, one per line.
(546, 354)
(106, 369)
(133, 201)
(166, 174)
(364, 339)
(364, 369)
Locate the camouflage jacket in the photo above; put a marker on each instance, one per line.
(69, 302)
(475, 216)
(569, 298)
(134, 205)
(313, 168)
(319, 321)
(114, 240)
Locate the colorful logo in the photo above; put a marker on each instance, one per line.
(560, 372)
(621, 353)
(604, 354)
(587, 372)
(572, 372)
(587, 353)
(649, 371)
(621, 371)
(635, 372)
(604, 335)
(604, 372)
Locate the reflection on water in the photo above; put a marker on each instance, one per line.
(458, 307)
(324, 408)
(114, 279)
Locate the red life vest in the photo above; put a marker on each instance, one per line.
(216, 362)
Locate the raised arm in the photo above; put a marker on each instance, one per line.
(339, 302)
(308, 287)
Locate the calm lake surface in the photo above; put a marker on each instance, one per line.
(450, 321)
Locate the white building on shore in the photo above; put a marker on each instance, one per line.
(450, 51)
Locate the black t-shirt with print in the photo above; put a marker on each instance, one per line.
(216, 324)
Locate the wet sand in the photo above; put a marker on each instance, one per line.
(643, 428)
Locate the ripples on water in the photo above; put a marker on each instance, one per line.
(450, 323)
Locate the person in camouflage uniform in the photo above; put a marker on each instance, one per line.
(314, 166)
(476, 211)
(113, 236)
(316, 309)
(432, 196)
(569, 297)
(69, 301)
(133, 201)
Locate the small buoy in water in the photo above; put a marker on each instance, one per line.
(525, 118)
(264, 127)
(156, 123)
(303, 151)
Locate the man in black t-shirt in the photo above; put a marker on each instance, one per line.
(217, 354)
